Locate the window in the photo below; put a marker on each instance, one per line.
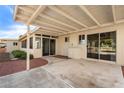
(81, 38)
(107, 46)
(15, 43)
(31, 42)
(102, 46)
(66, 39)
(38, 42)
(24, 44)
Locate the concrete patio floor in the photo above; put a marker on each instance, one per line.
(34, 78)
(83, 73)
(62, 73)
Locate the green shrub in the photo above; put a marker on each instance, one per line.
(21, 54)
(17, 53)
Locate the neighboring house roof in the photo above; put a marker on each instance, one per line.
(7, 39)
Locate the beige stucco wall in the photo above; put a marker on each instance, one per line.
(10, 47)
(36, 52)
(80, 51)
(64, 47)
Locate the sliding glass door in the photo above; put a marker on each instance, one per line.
(52, 46)
(93, 46)
(48, 46)
(102, 46)
(45, 48)
(108, 46)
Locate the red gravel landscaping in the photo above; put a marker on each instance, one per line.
(11, 67)
(2, 50)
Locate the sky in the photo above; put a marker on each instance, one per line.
(8, 27)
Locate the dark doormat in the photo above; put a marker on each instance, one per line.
(61, 56)
(122, 67)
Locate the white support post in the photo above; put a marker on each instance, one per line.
(28, 51)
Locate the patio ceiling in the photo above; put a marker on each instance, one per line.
(64, 19)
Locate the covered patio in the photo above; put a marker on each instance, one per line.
(55, 25)
(68, 21)
(67, 73)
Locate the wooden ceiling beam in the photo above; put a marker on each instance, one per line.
(51, 29)
(59, 22)
(15, 12)
(36, 13)
(113, 13)
(50, 25)
(51, 32)
(89, 14)
(67, 16)
(25, 9)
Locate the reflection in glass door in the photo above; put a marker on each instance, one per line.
(108, 46)
(45, 46)
(93, 46)
(102, 46)
(52, 46)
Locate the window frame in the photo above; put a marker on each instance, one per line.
(15, 43)
(31, 42)
(39, 42)
(80, 38)
(67, 39)
(24, 43)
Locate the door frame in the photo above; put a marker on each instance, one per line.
(49, 45)
(100, 60)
